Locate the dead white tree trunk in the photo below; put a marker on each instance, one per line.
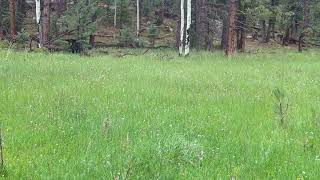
(187, 40)
(181, 28)
(138, 18)
(38, 20)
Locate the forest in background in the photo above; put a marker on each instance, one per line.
(77, 25)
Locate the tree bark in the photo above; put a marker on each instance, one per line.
(305, 24)
(263, 31)
(38, 21)
(202, 24)
(138, 18)
(230, 46)
(61, 7)
(46, 22)
(241, 27)
(1, 35)
(115, 14)
(12, 14)
(223, 43)
(272, 22)
(181, 27)
(187, 40)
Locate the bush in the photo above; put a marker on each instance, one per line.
(153, 33)
(126, 38)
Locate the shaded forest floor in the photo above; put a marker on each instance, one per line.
(159, 116)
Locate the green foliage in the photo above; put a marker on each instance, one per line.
(153, 33)
(126, 37)
(281, 105)
(22, 37)
(79, 22)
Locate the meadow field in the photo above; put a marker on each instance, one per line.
(160, 116)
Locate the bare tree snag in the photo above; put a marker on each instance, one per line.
(38, 20)
(230, 46)
(187, 40)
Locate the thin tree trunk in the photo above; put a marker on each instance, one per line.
(138, 18)
(223, 43)
(46, 22)
(181, 28)
(272, 21)
(178, 34)
(305, 24)
(187, 40)
(263, 32)
(12, 14)
(115, 14)
(38, 21)
(230, 47)
(1, 35)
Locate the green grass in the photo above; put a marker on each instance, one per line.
(145, 117)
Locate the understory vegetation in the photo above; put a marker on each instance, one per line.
(160, 116)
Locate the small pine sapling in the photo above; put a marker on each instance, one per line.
(281, 105)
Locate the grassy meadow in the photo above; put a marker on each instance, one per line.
(160, 116)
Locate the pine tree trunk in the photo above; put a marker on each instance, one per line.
(241, 27)
(223, 43)
(61, 7)
(230, 46)
(305, 24)
(178, 34)
(138, 18)
(272, 21)
(187, 40)
(46, 22)
(263, 31)
(201, 24)
(12, 14)
(181, 28)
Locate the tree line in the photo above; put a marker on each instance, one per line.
(197, 22)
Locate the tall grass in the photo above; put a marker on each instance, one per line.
(159, 116)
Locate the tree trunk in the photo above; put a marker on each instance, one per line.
(38, 21)
(46, 22)
(263, 31)
(305, 24)
(115, 14)
(187, 40)
(12, 14)
(178, 34)
(201, 24)
(241, 26)
(138, 18)
(272, 22)
(230, 46)
(223, 43)
(181, 28)
(61, 7)
(1, 35)
(285, 40)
